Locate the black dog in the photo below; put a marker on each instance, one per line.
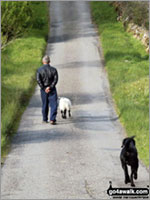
(129, 156)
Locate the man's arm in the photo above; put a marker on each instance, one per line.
(55, 80)
(39, 81)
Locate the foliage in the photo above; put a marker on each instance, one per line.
(15, 18)
(18, 17)
(127, 65)
(37, 22)
(135, 11)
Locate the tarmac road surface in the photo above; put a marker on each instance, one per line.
(78, 157)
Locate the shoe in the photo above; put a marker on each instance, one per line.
(53, 122)
(44, 122)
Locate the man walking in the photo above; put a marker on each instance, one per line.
(47, 78)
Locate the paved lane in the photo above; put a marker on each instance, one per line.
(77, 158)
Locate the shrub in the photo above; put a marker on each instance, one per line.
(135, 11)
(15, 19)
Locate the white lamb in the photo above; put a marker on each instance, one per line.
(65, 106)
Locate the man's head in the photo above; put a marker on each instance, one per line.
(46, 60)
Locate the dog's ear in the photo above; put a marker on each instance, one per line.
(124, 142)
(133, 139)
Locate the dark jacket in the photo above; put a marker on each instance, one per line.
(47, 76)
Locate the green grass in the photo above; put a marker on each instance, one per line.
(127, 65)
(20, 59)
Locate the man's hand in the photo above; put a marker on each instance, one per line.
(47, 90)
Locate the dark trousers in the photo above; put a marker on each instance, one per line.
(49, 100)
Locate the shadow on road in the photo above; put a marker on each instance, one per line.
(78, 64)
(59, 132)
(66, 37)
(84, 98)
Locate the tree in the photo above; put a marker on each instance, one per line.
(15, 19)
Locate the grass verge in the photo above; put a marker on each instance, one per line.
(19, 62)
(127, 65)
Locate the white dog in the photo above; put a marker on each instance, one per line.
(64, 106)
